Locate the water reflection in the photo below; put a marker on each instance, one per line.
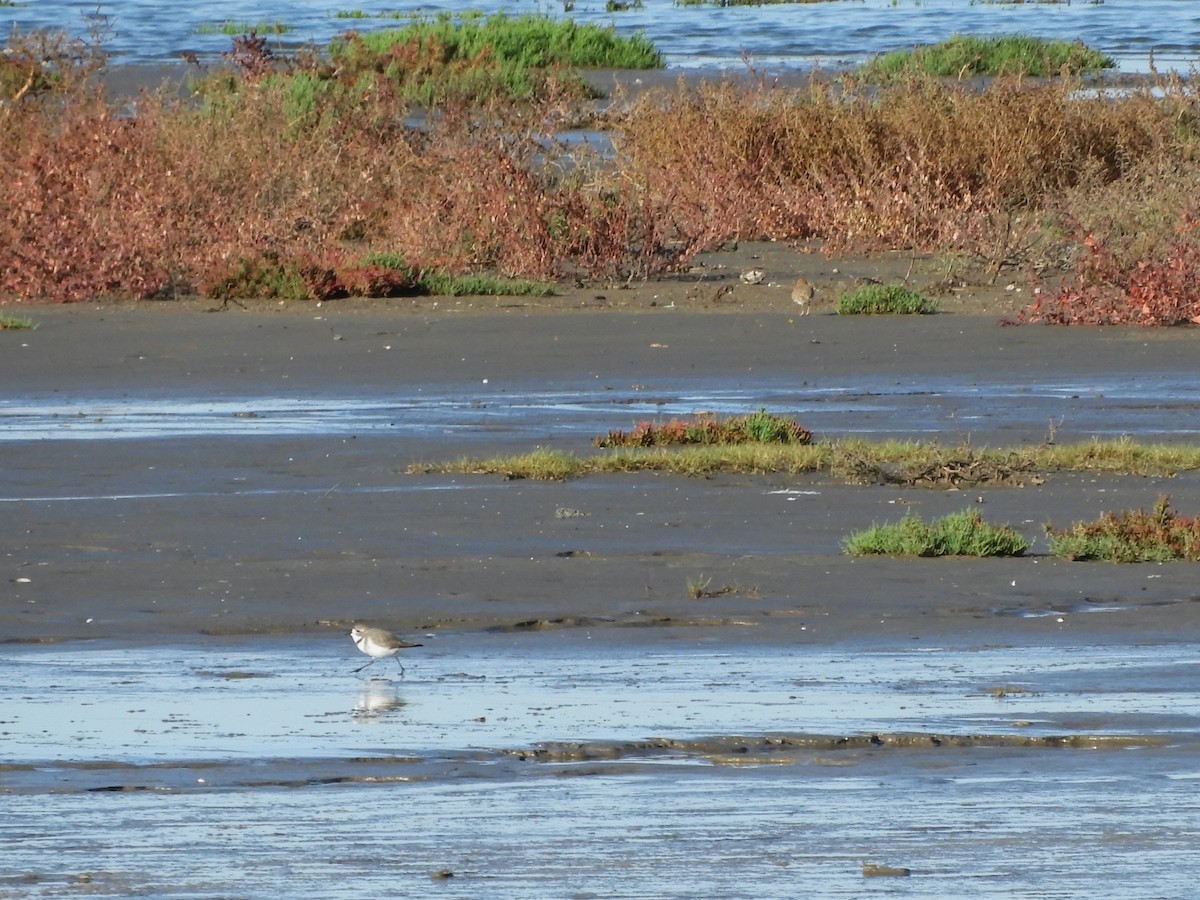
(376, 699)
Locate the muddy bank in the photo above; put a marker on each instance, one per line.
(154, 484)
(455, 554)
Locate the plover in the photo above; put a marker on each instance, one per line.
(377, 643)
(802, 294)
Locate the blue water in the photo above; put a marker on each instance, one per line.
(830, 34)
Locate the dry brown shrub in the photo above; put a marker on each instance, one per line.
(1136, 245)
(1163, 290)
(290, 179)
(921, 164)
(87, 212)
(709, 163)
(175, 198)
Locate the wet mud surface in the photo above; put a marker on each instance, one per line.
(194, 508)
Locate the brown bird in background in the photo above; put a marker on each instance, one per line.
(802, 295)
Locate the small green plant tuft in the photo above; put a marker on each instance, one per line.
(16, 323)
(879, 299)
(540, 464)
(701, 589)
(957, 534)
(1160, 535)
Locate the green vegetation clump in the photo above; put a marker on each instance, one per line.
(760, 427)
(527, 41)
(16, 323)
(957, 534)
(1160, 535)
(260, 278)
(440, 284)
(965, 56)
(433, 60)
(877, 299)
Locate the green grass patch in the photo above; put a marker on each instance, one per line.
(231, 27)
(880, 299)
(442, 285)
(759, 427)
(965, 56)
(16, 323)
(957, 534)
(853, 460)
(1160, 535)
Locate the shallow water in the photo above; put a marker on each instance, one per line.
(830, 35)
(468, 692)
(1128, 405)
(543, 764)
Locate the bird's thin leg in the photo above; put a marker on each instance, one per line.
(401, 665)
(363, 666)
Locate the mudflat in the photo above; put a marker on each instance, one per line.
(629, 685)
(161, 487)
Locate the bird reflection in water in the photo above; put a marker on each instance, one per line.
(376, 699)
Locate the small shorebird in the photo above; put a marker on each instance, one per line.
(802, 295)
(377, 643)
